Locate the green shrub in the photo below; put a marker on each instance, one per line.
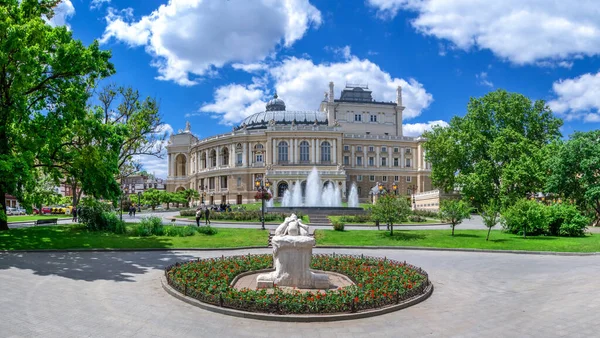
(207, 230)
(246, 215)
(416, 218)
(526, 216)
(188, 212)
(566, 220)
(96, 216)
(149, 226)
(361, 218)
(178, 231)
(426, 213)
(338, 225)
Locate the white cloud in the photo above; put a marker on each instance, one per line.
(192, 38)
(301, 84)
(578, 97)
(98, 3)
(522, 31)
(153, 164)
(62, 13)
(250, 67)
(416, 129)
(344, 52)
(483, 79)
(234, 102)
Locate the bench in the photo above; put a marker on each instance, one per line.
(46, 221)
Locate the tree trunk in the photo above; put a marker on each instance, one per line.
(488, 234)
(3, 222)
(453, 225)
(391, 229)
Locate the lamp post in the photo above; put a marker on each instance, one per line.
(395, 188)
(139, 205)
(262, 187)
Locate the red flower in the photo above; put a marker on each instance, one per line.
(356, 299)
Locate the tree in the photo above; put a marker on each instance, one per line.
(190, 194)
(490, 215)
(152, 197)
(494, 152)
(143, 127)
(390, 209)
(454, 212)
(574, 171)
(168, 198)
(44, 79)
(42, 193)
(179, 198)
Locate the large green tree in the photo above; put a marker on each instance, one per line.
(494, 152)
(574, 170)
(45, 77)
(152, 197)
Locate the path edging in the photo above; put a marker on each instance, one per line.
(408, 248)
(295, 318)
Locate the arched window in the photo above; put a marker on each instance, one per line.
(213, 158)
(325, 152)
(203, 163)
(258, 146)
(180, 165)
(283, 152)
(225, 156)
(281, 188)
(304, 151)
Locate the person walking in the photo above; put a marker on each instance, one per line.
(198, 216)
(134, 210)
(74, 212)
(207, 214)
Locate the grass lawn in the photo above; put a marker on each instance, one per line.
(77, 237)
(463, 239)
(427, 221)
(24, 218)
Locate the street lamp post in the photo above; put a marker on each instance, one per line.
(139, 196)
(395, 188)
(262, 187)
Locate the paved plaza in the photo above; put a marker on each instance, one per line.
(118, 294)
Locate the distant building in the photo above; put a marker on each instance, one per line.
(133, 184)
(353, 139)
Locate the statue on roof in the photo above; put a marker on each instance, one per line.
(272, 122)
(188, 127)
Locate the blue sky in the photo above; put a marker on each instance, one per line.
(213, 62)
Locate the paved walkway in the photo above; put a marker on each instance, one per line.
(118, 294)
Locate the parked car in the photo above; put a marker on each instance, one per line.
(20, 211)
(46, 210)
(10, 211)
(35, 211)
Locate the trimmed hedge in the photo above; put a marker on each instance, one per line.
(253, 215)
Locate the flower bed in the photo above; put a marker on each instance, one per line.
(379, 282)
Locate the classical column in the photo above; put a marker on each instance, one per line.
(218, 152)
(390, 159)
(244, 153)
(419, 183)
(402, 157)
(353, 159)
(170, 165)
(334, 155)
(318, 146)
(365, 162)
(274, 141)
(232, 155)
(419, 157)
(292, 152)
(377, 157)
(313, 151)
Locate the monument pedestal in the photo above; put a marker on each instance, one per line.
(291, 258)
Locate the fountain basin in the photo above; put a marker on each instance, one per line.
(320, 210)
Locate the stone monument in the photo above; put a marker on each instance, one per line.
(292, 253)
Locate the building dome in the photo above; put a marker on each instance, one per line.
(261, 120)
(275, 104)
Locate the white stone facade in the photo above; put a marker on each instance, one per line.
(283, 146)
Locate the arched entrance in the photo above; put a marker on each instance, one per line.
(281, 188)
(327, 183)
(180, 164)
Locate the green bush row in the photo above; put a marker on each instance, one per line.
(152, 226)
(253, 215)
(534, 218)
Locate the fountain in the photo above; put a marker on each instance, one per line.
(317, 195)
(270, 203)
(353, 196)
(292, 254)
